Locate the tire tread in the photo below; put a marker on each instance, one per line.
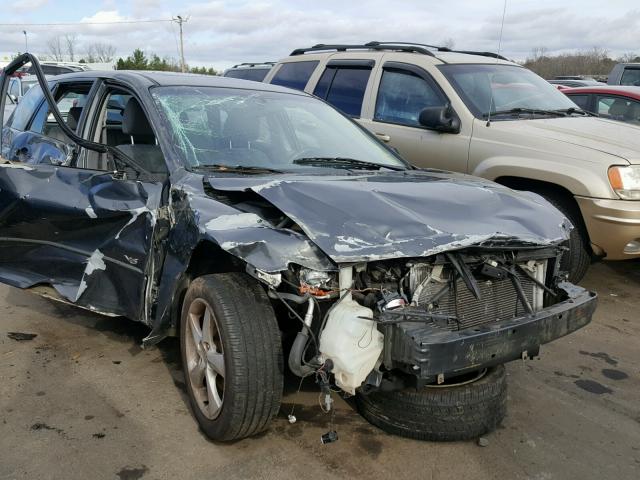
(440, 414)
(253, 355)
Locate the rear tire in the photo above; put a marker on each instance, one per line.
(577, 260)
(231, 355)
(451, 413)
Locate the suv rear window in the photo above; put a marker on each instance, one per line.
(294, 74)
(344, 88)
(254, 74)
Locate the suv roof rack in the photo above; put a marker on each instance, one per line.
(253, 64)
(369, 46)
(444, 49)
(411, 47)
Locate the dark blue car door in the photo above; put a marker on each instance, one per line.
(84, 232)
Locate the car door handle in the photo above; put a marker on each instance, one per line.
(384, 137)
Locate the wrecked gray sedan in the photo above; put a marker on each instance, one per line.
(242, 217)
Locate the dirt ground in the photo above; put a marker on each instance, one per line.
(82, 400)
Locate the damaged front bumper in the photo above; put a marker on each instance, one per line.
(432, 353)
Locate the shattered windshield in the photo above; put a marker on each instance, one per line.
(498, 88)
(247, 128)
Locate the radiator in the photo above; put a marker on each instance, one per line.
(498, 299)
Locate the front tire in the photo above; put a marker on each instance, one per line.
(441, 413)
(231, 355)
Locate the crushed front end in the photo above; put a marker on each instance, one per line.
(393, 323)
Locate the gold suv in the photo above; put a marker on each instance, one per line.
(478, 113)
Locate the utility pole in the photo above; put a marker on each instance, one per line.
(26, 43)
(179, 20)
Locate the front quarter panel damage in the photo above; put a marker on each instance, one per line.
(197, 218)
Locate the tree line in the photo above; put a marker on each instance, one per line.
(595, 62)
(139, 61)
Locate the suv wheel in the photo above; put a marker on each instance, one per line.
(577, 260)
(473, 406)
(231, 355)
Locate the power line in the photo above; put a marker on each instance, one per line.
(62, 24)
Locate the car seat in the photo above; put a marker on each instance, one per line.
(143, 147)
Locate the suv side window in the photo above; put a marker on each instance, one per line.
(630, 76)
(344, 87)
(402, 95)
(25, 109)
(294, 74)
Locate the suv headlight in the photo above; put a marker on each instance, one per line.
(626, 181)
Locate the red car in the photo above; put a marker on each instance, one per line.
(614, 102)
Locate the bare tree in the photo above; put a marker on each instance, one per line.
(104, 52)
(538, 53)
(629, 57)
(592, 62)
(90, 54)
(70, 41)
(54, 45)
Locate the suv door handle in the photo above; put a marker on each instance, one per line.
(384, 137)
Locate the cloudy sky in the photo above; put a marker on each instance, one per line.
(221, 33)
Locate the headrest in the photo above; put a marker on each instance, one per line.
(213, 119)
(134, 121)
(618, 108)
(73, 117)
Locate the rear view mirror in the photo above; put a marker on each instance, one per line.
(13, 98)
(441, 119)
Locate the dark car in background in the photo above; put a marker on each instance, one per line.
(55, 68)
(249, 71)
(574, 82)
(608, 101)
(18, 87)
(625, 74)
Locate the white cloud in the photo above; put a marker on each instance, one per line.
(220, 33)
(27, 5)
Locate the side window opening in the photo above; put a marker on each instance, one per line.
(344, 88)
(294, 74)
(402, 95)
(123, 124)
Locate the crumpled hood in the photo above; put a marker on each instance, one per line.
(376, 216)
(619, 139)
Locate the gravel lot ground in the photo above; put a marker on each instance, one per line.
(83, 400)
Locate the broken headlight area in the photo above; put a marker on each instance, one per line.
(417, 321)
